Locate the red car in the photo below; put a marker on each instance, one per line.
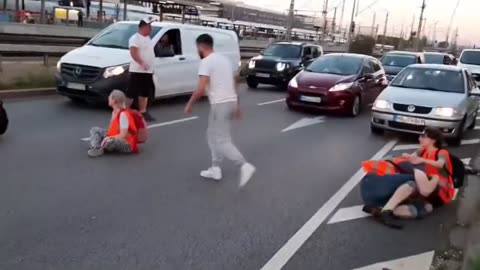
(337, 82)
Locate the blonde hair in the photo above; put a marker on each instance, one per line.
(119, 98)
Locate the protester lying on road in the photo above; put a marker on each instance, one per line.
(432, 183)
(121, 136)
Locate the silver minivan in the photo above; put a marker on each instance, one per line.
(445, 97)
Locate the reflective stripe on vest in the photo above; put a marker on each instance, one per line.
(447, 190)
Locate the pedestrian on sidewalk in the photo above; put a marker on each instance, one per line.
(216, 71)
(140, 82)
(121, 136)
(80, 18)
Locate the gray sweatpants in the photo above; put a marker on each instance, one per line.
(219, 134)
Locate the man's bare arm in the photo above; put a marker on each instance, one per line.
(199, 93)
(136, 56)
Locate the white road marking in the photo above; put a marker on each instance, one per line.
(466, 161)
(415, 146)
(477, 127)
(271, 102)
(348, 213)
(305, 122)
(417, 262)
(478, 118)
(86, 139)
(296, 241)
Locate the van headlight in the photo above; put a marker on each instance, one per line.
(251, 64)
(281, 66)
(445, 111)
(341, 87)
(381, 104)
(114, 71)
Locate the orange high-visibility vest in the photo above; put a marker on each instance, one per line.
(446, 190)
(114, 129)
(382, 167)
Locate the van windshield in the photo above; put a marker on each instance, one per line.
(117, 36)
(470, 57)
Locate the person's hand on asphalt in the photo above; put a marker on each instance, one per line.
(105, 140)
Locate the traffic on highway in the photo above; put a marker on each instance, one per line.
(337, 161)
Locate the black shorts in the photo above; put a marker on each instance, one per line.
(140, 85)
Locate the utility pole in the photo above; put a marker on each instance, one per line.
(4, 5)
(373, 24)
(125, 10)
(419, 32)
(290, 20)
(357, 8)
(100, 10)
(325, 19)
(17, 5)
(451, 21)
(233, 11)
(350, 27)
(341, 14)
(334, 23)
(385, 30)
(42, 11)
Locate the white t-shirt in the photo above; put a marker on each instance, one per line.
(145, 49)
(222, 83)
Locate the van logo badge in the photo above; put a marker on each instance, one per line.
(77, 71)
(411, 108)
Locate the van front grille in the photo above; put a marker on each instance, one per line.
(80, 72)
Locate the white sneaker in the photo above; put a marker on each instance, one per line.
(246, 172)
(214, 173)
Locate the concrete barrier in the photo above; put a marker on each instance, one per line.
(47, 30)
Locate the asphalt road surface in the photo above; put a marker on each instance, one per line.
(60, 209)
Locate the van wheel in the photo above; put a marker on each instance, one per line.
(356, 107)
(252, 83)
(474, 122)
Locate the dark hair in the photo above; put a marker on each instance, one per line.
(434, 134)
(205, 39)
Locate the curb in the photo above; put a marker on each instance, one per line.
(27, 92)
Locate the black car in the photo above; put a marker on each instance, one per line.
(393, 62)
(280, 62)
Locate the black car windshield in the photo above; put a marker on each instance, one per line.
(431, 58)
(398, 60)
(430, 79)
(117, 35)
(283, 51)
(336, 64)
(470, 57)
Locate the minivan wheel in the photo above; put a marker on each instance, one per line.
(355, 110)
(375, 130)
(457, 141)
(474, 122)
(252, 83)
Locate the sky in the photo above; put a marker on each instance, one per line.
(401, 12)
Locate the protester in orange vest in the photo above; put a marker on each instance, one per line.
(433, 184)
(121, 136)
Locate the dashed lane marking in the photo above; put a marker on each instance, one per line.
(271, 102)
(418, 262)
(86, 139)
(298, 239)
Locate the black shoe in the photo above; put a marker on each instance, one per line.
(374, 211)
(148, 117)
(388, 219)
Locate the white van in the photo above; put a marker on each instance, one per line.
(470, 60)
(91, 72)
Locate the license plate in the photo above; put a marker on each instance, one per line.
(311, 99)
(263, 75)
(76, 86)
(409, 120)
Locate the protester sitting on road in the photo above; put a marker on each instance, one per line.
(433, 185)
(121, 136)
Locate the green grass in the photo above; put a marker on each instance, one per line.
(29, 81)
(474, 264)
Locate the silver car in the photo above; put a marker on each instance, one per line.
(445, 97)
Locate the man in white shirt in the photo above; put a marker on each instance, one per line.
(140, 83)
(217, 72)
